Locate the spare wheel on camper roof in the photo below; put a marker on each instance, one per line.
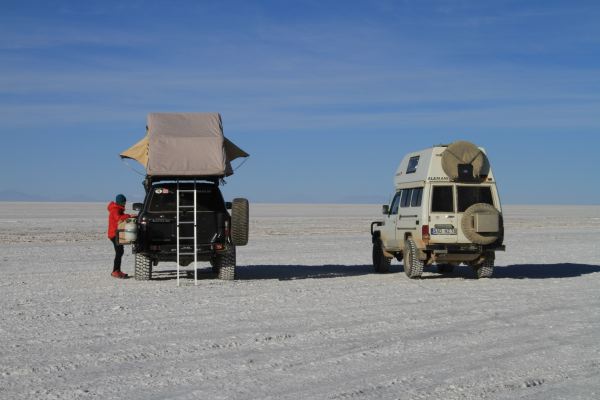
(464, 160)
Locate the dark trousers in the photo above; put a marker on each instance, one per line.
(118, 254)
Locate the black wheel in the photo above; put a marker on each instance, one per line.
(143, 267)
(486, 268)
(413, 267)
(225, 263)
(214, 266)
(380, 262)
(239, 222)
(445, 268)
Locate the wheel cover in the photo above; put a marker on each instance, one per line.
(469, 230)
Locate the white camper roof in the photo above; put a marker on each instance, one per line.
(431, 164)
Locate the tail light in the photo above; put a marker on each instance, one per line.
(425, 233)
(226, 228)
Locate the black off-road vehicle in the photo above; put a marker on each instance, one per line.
(166, 225)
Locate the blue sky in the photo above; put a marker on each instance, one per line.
(327, 96)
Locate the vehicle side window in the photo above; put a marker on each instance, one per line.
(416, 197)
(406, 194)
(395, 203)
(412, 165)
(442, 199)
(469, 195)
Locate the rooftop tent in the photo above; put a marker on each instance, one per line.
(138, 152)
(185, 144)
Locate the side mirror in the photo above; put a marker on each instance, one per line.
(137, 206)
(385, 209)
(228, 205)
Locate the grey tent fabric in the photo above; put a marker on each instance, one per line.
(463, 152)
(185, 144)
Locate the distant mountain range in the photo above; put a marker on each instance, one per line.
(13, 195)
(366, 199)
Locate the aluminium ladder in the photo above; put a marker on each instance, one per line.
(180, 238)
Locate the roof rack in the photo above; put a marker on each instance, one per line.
(150, 180)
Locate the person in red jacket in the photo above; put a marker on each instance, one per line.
(116, 213)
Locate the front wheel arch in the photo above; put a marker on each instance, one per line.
(376, 236)
(381, 263)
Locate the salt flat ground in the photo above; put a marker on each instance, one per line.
(307, 319)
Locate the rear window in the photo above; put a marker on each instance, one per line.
(165, 200)
(469, 195)
(442, 199)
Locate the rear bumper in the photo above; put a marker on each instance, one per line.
(168, 252)
(463, 248)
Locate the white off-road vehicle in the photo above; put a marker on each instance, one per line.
(445, 210)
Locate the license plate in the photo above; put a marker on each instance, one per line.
(443, 231)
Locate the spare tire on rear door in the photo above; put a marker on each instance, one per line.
(482, 224)
(239, 222)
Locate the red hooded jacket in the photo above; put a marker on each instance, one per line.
(115, 214)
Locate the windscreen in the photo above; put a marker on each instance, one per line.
(164, 199)
(469, 195)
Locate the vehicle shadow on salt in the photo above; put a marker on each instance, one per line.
(544, 271)
(280, 272)
(185, 273)
(291, 272)
(521, 271)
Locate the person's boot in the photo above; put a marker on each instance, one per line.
(118, 274)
